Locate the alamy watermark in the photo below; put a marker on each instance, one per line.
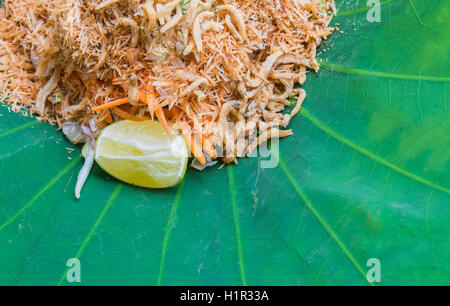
(374, 14)
(73, 275)
(234, 139)
(242, 138)
(374, 273)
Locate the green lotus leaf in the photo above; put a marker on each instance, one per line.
(366, 175)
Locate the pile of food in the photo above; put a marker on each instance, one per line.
(220, 72)
(196, 65)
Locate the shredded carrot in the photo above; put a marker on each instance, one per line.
(150, 101)
(159, 112)
(162, 119)
(102, 124)
(109, 118)
(110, 104)
(208, 146)
(142, 96)
(193, 145)
(125, 115)
(173, 112)
(134, 109)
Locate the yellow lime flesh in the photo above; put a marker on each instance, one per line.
(142, 154)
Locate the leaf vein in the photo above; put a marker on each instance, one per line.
(321, 220)
(168, 230)
(232, 187)
(369, 154)
(88, 238)
(415, 12)
(40, 192)
(349, 70)
(18, 129)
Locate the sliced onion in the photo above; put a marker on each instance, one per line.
(88, 132)
(88, 154)
(86, 169)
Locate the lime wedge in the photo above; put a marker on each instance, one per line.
(141, 153)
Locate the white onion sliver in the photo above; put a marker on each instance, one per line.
(85, 170)
(88, 154)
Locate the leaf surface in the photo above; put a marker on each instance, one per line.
(366, 175)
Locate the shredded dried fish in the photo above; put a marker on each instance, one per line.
(217, 70)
